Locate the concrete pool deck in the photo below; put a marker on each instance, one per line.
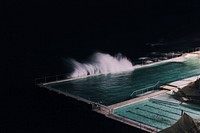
(138, 99)
(173, 86)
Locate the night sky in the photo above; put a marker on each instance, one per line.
(36, 36)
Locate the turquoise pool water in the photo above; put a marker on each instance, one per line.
(113, 88)
(157, 112)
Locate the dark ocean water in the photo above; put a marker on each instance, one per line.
(37, 36)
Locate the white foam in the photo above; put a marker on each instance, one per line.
(101, 63)
(190, 55)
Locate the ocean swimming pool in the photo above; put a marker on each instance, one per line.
(113, 88)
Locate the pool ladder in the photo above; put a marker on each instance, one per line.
(141, 91)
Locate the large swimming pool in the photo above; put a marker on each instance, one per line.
(113, 88)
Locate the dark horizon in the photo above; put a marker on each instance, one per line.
(38, 35)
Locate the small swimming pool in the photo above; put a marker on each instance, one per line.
(159, 112)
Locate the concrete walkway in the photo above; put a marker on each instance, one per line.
(138, 99)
